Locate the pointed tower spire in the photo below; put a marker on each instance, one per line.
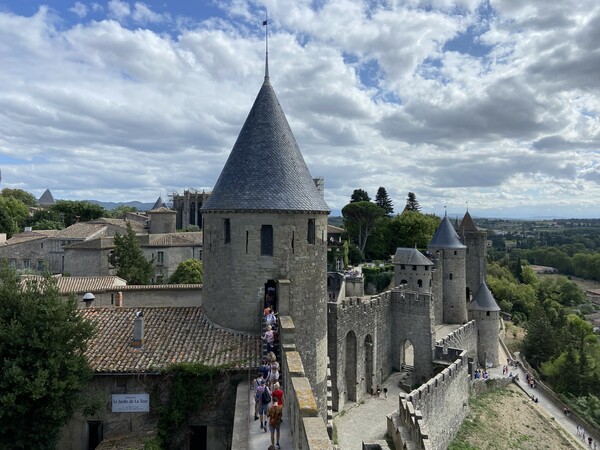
(266, 25)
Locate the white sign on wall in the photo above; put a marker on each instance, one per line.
(130, 403)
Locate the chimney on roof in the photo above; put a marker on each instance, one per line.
(88, 298)
(138, 330)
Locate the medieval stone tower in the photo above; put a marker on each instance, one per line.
(484, 310)
(412, 270)
(265, 233)
(474, 239)
(450, 255)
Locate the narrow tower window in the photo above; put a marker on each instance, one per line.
(227, 230)
(293, 236)
(247, 235)
(266, 240)
(310, 236)
(449, 276)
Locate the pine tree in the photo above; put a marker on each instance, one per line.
(383, 201)
(360, 195)
(129, 259)
(411, 202)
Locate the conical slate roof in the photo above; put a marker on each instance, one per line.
(445, 236)
(265, 170)
(46, 199)
(158, 204)
(483, 300)
(411, 257)
(467, 223)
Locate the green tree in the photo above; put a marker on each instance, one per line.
(540, 343)
(359, 195)
(383, 201)
(411, 228)
(43, 367)
(129, 259)
(187, 272)
(120, 212)
(25, 197)
(16, 211)
(7, 223)
(73, 211)
(46, 219)
(411, 202)
(360, 219)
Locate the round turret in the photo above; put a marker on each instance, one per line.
(265, 238)
(484, 310)
(451, 254)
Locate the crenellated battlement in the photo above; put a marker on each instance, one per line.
(457, 336)
(439, 381)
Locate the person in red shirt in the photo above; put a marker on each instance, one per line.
(277, 393)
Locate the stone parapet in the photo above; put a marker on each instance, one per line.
(309, 430)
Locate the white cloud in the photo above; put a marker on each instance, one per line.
(119, 10)
(79, 9)
(143, 14)
(115, 110)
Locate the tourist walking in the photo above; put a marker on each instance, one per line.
(263, 397)
(274, 415)
(269, 338)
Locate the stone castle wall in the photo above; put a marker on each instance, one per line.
(443, 402)
(366, 322)
(413, 316)
(463, 338)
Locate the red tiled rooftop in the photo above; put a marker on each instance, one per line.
(171, 335)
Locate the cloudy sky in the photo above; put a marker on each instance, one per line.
(494, 103)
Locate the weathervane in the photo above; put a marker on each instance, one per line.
(266, 23)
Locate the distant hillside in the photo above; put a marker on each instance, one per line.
(336, 221)
(112, 205)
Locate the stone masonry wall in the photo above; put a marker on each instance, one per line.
(414, 321)
(235, 274)
(368, 321)
(464, 338)
(443, 402)
(32, 251)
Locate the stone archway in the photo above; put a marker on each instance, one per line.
(369, 364)
(408, 355)
(350, 367)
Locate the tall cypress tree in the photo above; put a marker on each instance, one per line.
(383, 201)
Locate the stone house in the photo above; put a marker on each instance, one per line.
(29, 251)
(129, 354)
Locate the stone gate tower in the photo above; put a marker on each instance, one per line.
(265, 231)
(450, 255)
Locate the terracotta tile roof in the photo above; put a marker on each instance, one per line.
(19, 238)
(94, 244)
(171, 335)
(81, 230)
(76, 285)
(156, 287)
(174, 239)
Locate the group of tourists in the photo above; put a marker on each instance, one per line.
(268, 395)
(586, 437)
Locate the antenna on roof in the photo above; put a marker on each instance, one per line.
(266, 23)
(445, 211)
(467, 206)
